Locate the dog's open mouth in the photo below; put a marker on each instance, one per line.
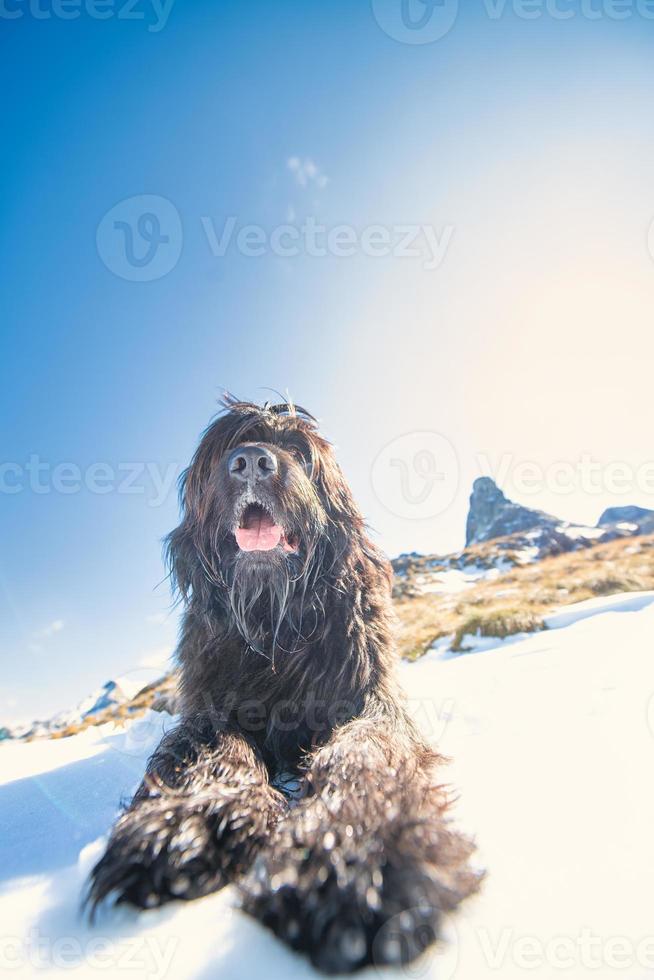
(257, 531)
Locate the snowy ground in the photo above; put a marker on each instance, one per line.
(552, 737)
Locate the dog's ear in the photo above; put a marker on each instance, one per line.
(183, 557)
(187, 576)
(347, 534)
(335, 494)
(179, 558)
(344, 520)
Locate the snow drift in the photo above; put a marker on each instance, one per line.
(552, 740)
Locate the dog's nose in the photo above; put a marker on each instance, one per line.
(251, 464)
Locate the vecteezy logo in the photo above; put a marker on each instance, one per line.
(140, 238)
(416, 476)
(415, 21)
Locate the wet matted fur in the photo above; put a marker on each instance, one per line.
(287, 665)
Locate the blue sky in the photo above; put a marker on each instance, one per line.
(520, 333)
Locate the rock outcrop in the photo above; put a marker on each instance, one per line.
(492, 515)
(640, 517)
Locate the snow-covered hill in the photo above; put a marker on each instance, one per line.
(112, 695)
(552, 737)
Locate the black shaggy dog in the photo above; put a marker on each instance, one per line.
(287, 666)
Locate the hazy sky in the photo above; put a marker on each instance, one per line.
(448, 263)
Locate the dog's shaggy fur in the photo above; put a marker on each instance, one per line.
(287, 666)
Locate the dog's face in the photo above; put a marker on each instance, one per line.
(266, 512)
(261, 488)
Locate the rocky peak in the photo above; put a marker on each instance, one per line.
(492, 515)
(640, 516)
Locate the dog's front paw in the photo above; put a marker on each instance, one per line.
(343, 907)
(156, 854)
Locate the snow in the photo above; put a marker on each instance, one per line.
(525, 556)
(552, 741)
(565, 616)
(451, 581)
(580, 533)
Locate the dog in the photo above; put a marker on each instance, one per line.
(287, 666)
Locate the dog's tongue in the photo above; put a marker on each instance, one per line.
(259, 533)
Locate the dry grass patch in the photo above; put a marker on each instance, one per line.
(499, 623)
(624, 565)
(612, 584)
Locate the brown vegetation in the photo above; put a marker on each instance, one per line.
(518, 600)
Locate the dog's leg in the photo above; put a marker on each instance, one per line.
(370, 845)
(195, 822)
